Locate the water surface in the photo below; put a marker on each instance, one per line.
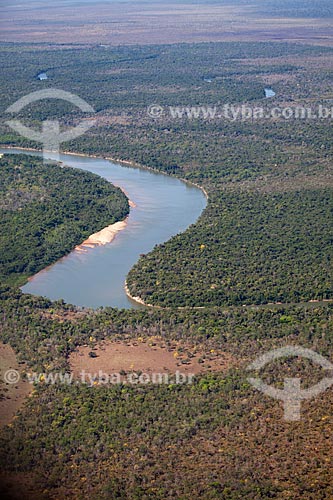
(42, 76)
(165, 206)
(269, 93)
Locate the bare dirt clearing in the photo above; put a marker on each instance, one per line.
(11, 395)
(153, 356)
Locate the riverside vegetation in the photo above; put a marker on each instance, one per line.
(266, 236)
(47, 210)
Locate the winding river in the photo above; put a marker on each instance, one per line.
(164, 207)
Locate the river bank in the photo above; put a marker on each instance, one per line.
(94, 274)
(103, 237)
(128, 163)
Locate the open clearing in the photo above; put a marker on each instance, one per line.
(148, 357)
(127, 23)
(11, 395)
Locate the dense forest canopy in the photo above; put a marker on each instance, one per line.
(265, 230)
(48, 209)
(266, 236)
(258, 248)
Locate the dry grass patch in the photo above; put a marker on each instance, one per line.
(11, 395)
(147, 356)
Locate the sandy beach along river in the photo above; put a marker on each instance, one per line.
(94, 273)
